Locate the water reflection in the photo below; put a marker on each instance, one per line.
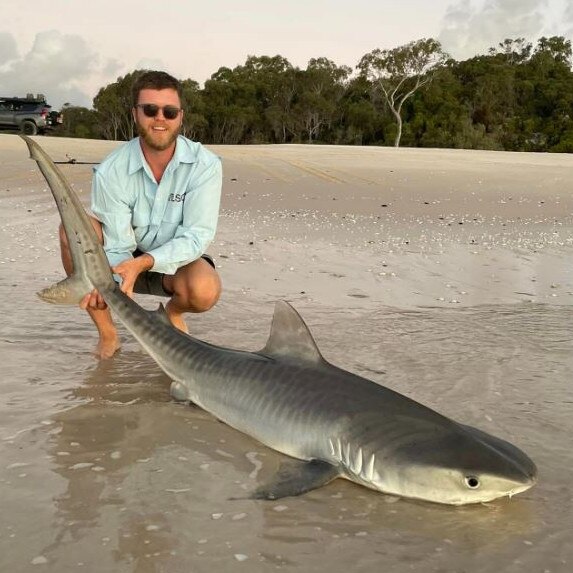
(134, 463)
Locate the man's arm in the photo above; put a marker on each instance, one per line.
(130, 269)
(115, 214)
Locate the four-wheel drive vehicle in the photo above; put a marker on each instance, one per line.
(30, 115)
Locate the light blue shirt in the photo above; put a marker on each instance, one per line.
(174, 220)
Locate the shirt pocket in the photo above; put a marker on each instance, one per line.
(141, 216)
(173, 214)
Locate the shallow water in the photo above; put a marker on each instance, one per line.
(101, 471)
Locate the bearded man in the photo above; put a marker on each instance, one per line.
(155, 201)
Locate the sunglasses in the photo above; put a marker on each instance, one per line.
(152, 109)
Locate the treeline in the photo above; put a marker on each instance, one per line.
(518, 97)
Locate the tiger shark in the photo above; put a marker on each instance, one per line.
(330, 422)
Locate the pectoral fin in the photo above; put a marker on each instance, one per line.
(295, 478)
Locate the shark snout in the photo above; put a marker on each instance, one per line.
(524, 476)
(531, 477)
(526, 470)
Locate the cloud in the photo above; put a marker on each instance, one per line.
(568, 17)
(469, 29)
(112, 67)
(60, 66)
(150, 64)
(8, 49)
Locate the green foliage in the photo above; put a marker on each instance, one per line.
(194, 123)
(79, 122)
(401, 72)
(518, 97)
(113, 106)
(317, 105)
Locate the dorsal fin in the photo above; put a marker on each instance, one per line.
(290, 336)
(161, 314)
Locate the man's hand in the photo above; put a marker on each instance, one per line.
(130, 269)
(93, 300)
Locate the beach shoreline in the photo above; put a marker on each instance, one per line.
(413, 227)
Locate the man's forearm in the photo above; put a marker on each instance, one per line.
(131, 269)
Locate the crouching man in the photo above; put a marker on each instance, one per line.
(156, 204)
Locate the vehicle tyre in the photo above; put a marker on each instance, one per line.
(29, 128)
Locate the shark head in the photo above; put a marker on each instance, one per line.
(395, 445)
(456, 466)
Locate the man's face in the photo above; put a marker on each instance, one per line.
(158, 132)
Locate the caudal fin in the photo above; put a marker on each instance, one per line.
(91, 268)
(68, 291)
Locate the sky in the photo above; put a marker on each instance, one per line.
(67, 49)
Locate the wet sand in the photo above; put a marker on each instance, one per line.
(445, 275)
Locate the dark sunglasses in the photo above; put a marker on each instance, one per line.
(152, 109)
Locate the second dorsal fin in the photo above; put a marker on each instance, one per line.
(161, 314)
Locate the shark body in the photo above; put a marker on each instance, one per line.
(332, 423)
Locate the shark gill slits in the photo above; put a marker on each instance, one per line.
(369, 468)
(358, 462)
(472, 482)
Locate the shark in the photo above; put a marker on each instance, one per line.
(328, 422)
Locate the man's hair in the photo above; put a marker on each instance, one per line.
(154, 80)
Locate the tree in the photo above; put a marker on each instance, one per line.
(274, 79)
(321, 87)
(230, 107)
(549, 109)
(556, 48)
(113, 104)
(273, 83)
(194, 125)
(512, 51)
(359, 121)
(79, 122)
(401, 72)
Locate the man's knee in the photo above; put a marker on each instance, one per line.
(200, 287)
(204, 292)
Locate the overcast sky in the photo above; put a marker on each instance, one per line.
(68, 49)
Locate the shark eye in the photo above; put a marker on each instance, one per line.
(472, 482)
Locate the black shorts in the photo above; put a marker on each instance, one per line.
(150, 282)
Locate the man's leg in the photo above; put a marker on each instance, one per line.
(196, 287)
(109, 342)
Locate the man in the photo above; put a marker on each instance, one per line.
(156, 203)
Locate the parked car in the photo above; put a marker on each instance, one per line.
(30, 115)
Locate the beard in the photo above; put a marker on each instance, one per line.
(159, 141)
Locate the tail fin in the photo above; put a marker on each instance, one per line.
(91, 268)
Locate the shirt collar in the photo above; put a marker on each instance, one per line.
(183, 154)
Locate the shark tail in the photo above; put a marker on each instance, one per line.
(91, 268)
(71, 290)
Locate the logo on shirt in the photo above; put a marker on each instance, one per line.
(177, 197)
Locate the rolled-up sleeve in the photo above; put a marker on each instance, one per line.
(199, 224)
(114, 214)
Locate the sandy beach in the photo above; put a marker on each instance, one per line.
(446, 275)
